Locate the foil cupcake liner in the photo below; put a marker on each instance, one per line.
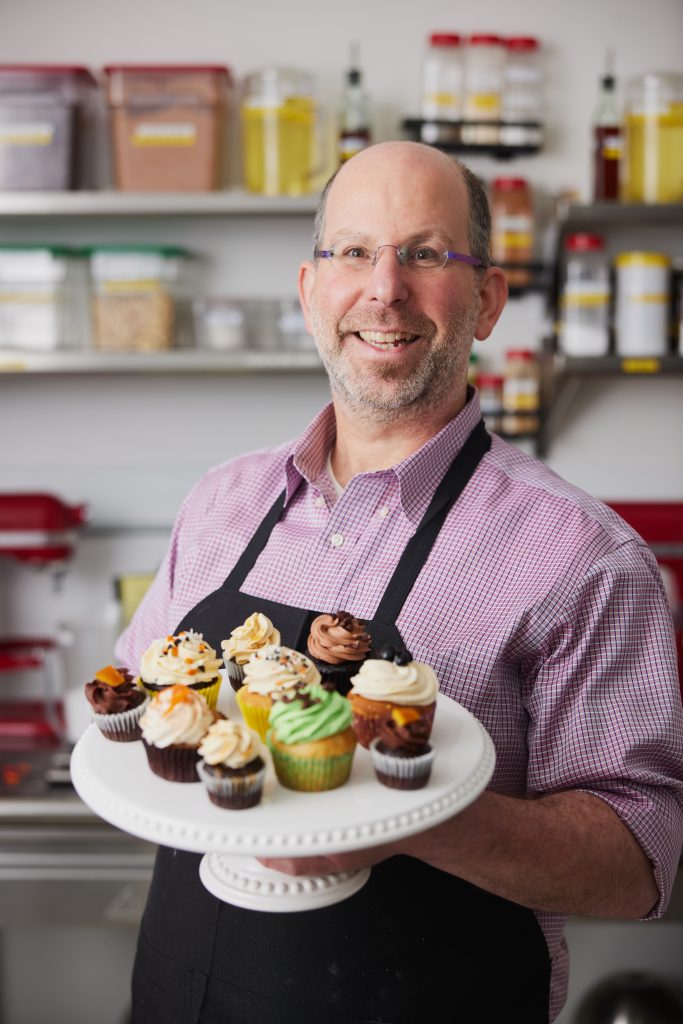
(401, 772)
(233, 792)
(122, 726)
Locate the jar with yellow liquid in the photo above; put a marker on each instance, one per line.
(279, 128)
(654, 139)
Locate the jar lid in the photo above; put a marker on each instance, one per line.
(444, 39)
(521, 43)
(166, 251)
(490, 380)
(168, 69)
(583, 242)
(486, 40)
(524, 354)
(509, 184)
(642, 259)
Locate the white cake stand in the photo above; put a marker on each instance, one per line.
(115, 781)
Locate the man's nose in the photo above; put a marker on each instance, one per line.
(387, 281)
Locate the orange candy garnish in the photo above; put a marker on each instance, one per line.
(110, 675)
(402, 716)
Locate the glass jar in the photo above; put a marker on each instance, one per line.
(521, 392)
(512, 228)
(484, 69)
(584, 323)
(490, 387)
(521, 111)
(654, 139)
(279, 133)
(38, 292)
(642, 303)
(442, 78)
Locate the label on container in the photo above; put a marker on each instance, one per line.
(114, 287)
(37, 133)
(483, 105)
(586, 297)
(641, 365)
(164, 134)
(612, 147)
(514, 232)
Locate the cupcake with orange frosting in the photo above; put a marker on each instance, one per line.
(338, 644)
(256, 632)
(389, 681)
(186, 659)
(173, 726)
(268, 670)
(117, 703)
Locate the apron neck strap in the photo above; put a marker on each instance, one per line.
(247, 559)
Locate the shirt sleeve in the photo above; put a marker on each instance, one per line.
(605, 705)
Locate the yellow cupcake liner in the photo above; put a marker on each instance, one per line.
(255, 718)
(209, 691)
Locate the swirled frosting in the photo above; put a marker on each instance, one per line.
(308, 713)
(414, 683)
(404, 731)
(273, 667)
(112, 699)
(185, 658)
(230, 744)
(338, 638)
(257, 631)
(176, 715)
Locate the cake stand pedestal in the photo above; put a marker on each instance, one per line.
(115, 781)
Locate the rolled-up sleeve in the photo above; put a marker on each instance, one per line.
(605, 705)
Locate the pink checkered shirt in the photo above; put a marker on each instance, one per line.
(539, 609)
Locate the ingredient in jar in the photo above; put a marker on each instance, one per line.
(521, 393)
(354, 127)
(584, 326)
(607, 138)
(642, 303)
(512, 224)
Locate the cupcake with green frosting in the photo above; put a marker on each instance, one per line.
(311, 738)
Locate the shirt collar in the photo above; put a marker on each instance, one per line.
(418, 476)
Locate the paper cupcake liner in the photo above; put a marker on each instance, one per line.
(235, 673)
(175, 763)
(233, 792)
(401, 772)
(255, 718)
(312, 774)
(366, 727)
(122, 727)
(209, 691)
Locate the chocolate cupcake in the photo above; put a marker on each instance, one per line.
(401, 755)
(187, 659)
(232, 767)
(173, 725)
(117, 704)
(391, 680)
(338, 645)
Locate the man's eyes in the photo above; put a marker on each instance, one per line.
(355, 252)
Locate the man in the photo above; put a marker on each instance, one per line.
(538, 608)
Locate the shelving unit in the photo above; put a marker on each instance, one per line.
(174, 361)
(233, 202)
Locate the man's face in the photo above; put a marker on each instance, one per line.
(394, 339)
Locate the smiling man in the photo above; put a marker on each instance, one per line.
(538, 608)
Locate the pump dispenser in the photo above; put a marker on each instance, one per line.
(354, 126)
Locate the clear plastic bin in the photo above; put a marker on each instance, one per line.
(37, 297)
(167, 126)
(42, 110)
(136, 294)
(220, 324)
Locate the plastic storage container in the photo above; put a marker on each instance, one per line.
(167, 126)
(442, 78)
(484, 70)
(512, 224)
(584, 325)
(642, 303)
(653, 149)
(521, 392)
(42, 110)
(135, 291)
(37, 297)
(279, 127)
(220, 324)
(522, 107)
(490, 386)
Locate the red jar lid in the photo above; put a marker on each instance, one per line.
(486, 40)
(490, 380)
(509, 184)
(524, 354)
(444, 39)
(73, 70)
(521, 43)
(168, 69)
(583, 242)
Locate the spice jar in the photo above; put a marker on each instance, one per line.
(512, 224)
(584, 326)
(484, 67)
(442, 78)
(642, 303)
(490, 387)
(521, 392)
(521, 112)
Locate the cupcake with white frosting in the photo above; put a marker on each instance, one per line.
(172, 727)
(389, 681)
(268, 670)
(185, 659)
(232, 766)
(256, 632)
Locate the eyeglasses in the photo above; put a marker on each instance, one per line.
(421, 258)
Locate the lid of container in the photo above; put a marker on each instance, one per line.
(583, 242)
(642, 259)
(486, 40)
(521, 43)
(73, 70)
(525, 354)
(444, 39)
(169, 69)
(53, 250)
(490, 380)
(509, 184)
(123, 250)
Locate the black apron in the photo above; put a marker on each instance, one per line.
(415, 944)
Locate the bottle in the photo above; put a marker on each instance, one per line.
(442, 78)
(607, 139)
(653, 151)
(354, 128)
(584, 327)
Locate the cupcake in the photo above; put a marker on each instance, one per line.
(391, 680)
(311, 738)
(337, 645)
(117, 703)
(257, 632)
(173, 726)
(269, 669)
(401, 755)
(185, 658)
(232, 768)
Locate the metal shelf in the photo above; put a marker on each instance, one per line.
(619, 366)
(178, 361)
(616, 213)
(232, 202)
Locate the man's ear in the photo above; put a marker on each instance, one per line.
(493, 293)
(305, 285)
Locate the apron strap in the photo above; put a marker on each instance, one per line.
(245, 562)
(416, 551)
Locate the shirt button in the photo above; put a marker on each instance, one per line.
(383, 512)
(336, 540)
(319, 501)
